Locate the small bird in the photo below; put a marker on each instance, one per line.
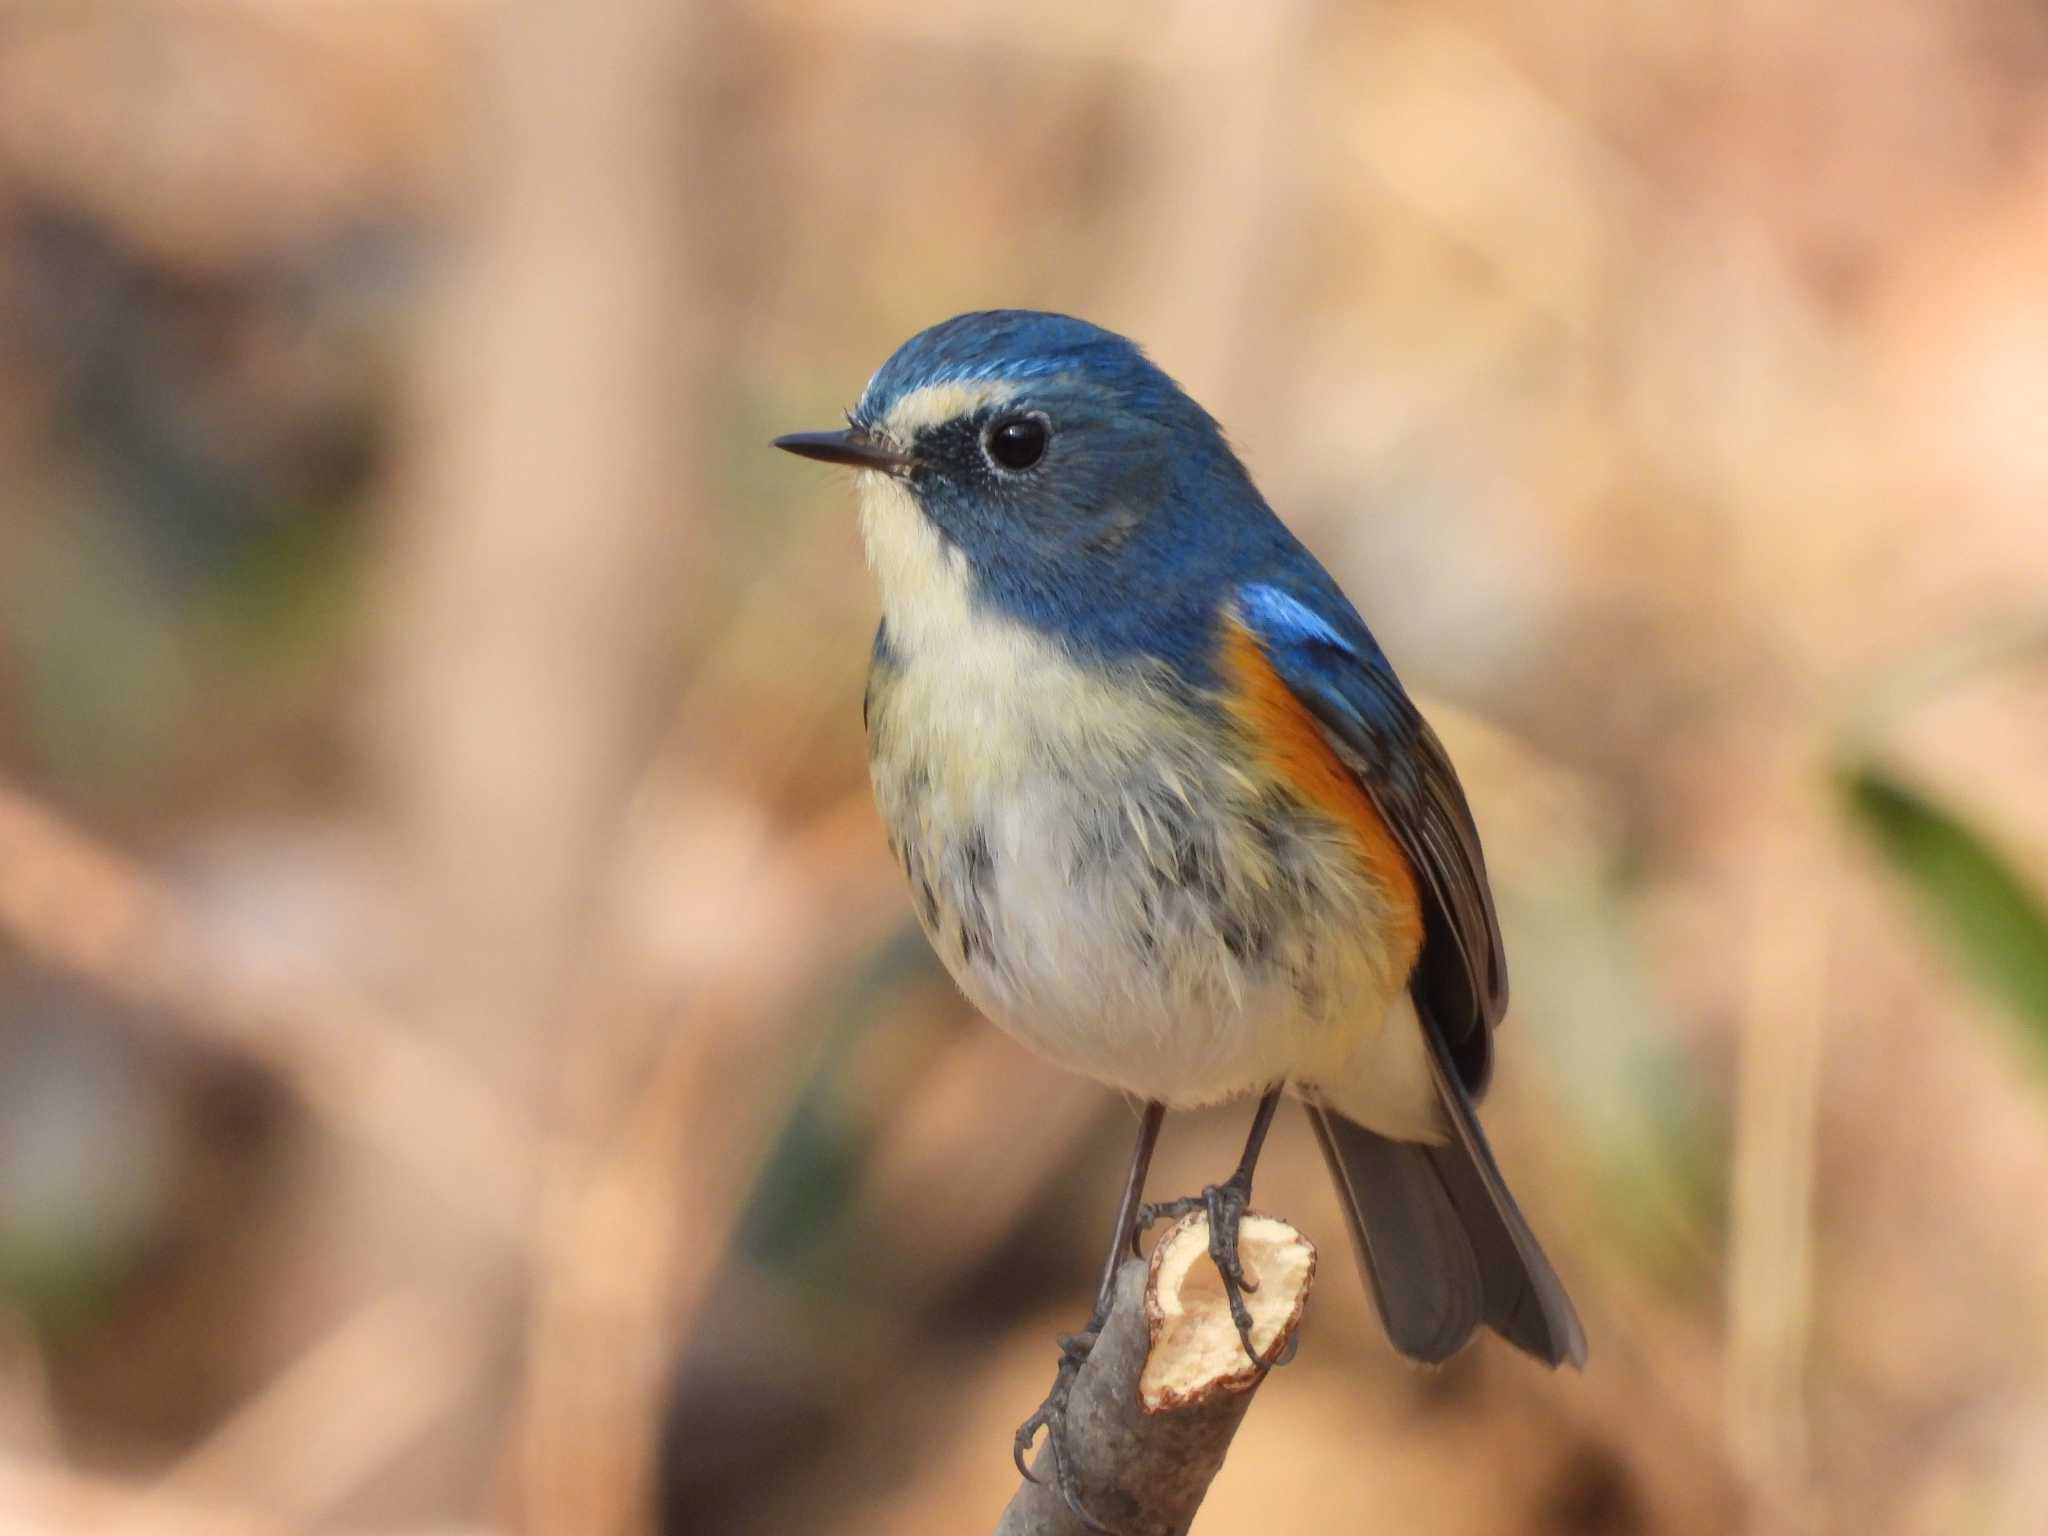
(1168, 816)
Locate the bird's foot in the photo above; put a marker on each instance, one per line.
(1051, 1416)
(1224, 1204)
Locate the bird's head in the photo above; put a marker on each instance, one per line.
(1042, 467)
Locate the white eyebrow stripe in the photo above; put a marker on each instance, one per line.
(1281, 611)
(936, 404)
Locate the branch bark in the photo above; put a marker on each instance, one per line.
(1154, 1408)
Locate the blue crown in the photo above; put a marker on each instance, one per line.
(1019, 344)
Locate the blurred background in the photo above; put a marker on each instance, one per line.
(466, 1062)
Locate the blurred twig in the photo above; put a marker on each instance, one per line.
(40, 1501)
(421, 1357)
(2006, 640)
(1770, 1262)
(535, 582)
(79, 907)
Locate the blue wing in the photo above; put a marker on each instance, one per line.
(1324, 653)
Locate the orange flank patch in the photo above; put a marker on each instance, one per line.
(1293, 750)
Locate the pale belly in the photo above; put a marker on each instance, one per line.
(1167, 922)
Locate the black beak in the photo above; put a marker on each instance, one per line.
(853, 447)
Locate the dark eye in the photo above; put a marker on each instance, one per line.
(1017, 442)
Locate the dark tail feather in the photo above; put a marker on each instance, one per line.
(1418, 1262)
(1443, 1245)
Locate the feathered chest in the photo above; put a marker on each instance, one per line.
(1044, 811)
(1106, 859)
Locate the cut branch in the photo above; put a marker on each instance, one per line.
(1154, 1408)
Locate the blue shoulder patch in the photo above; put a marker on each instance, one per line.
(1281, 616)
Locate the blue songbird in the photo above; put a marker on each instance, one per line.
(1167, 814)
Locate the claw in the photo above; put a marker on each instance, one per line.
(1225, 1205)
(1151, 1214)
(1070, 1495)
(1080, 1512)
(1027, 1432)
(1051, 1416)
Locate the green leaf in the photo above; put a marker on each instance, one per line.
(1990, 915)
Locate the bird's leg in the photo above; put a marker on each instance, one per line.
(1051, 1415)
(1225, 1205)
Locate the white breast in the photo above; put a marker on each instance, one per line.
(1105, 884)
